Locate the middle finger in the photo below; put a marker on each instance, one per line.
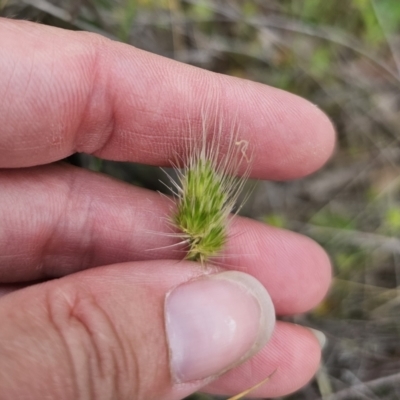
(59, 219)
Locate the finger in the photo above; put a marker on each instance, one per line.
(75, 92)
(143, 331)
(59, 219)
(294, 353)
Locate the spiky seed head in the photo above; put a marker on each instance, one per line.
(201, 210)
(207, 193)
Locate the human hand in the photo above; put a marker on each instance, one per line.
(101, 332)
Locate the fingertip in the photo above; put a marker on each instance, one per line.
(313, 276)
(299, 359)
(320, 272)
(294, 353)
(320, 143)
(301, 137)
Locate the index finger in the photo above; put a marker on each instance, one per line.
(69, 92)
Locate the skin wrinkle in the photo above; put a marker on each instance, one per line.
(48, 243)
(84, 312)
(52, 228)
(87, 216)
(89, 224)
(99, 79)
(51, 318)
(88, 384)
(128, 136)
(121, 368)
(141, 377)
(95, 369)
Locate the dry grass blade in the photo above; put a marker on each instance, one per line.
(248, 391)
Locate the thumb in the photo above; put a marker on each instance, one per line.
(148, 330)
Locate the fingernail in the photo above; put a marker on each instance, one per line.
(215, 323)
(320, 337)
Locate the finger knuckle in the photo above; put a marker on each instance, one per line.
(100, 362)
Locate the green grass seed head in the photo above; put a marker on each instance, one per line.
(208, 191)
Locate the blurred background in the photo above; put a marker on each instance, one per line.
(343, 56)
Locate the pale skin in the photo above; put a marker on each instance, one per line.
(64, 92)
